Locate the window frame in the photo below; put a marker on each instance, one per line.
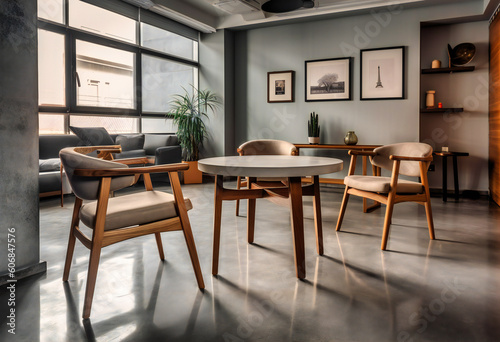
(71, 35)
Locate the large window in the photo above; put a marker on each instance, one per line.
(161, 79)
(107, 68)
(51, 10)
(105, 76)
(162, 40)
(99, 21)
(51, 69)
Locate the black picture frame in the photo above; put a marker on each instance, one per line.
(337, 87)
(382, 73)
(280, 86)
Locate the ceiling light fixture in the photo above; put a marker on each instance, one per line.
(282, 6)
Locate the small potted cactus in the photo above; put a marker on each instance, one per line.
(313, 128)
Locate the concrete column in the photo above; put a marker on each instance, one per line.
(217, 75)
(19, 207)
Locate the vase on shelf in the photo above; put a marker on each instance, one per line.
(429, 99)
(351, 138)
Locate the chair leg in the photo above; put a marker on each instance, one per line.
(95, 255)
(343, 207)
(71, 240)
(160, 246)
(430, 221)
(387, 221)
(186, 225)
(238, 186)
(428, 210)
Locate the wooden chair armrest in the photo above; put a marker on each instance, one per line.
(110, 150)
(131, 171)
(423, 159)
(133, 161)
(362, 153)
(88, 149)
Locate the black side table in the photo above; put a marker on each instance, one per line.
(454, 155)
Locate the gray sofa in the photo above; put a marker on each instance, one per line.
(164, 148)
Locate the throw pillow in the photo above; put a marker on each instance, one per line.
(93, 136)
(130, 142)
(52, 164)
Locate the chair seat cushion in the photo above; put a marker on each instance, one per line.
(134, 209)
(382, 184)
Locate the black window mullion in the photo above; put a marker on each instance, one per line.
(66, 12)
(138, 82)
(71, 73)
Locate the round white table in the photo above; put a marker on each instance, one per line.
(293, 168)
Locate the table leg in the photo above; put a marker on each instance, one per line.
(455, 177)
(217, 222)
(445, 179)
(295, 192)
(318, 224)
(251, 212)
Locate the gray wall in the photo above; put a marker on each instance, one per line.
(467, 131)
(258, 51)
(19, 132)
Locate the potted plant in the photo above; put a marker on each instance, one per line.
(313, 128)
(188, 111)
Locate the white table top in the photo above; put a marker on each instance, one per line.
(270, 166)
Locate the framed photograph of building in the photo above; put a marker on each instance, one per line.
(382, 73)
(328, 79)
(280, 86)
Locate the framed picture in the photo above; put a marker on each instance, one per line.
(280, 86)
(383, 73)
(329, 79)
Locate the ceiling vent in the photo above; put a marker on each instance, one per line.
(238, 6)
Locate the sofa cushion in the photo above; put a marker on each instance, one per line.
(130, 154)
(153, 141)
(130, 142)
(50, 144)
(52, 164)
(93, 136)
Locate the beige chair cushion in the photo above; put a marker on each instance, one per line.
(382, 184)
(267, 147)
(133, 209)
(409, 149)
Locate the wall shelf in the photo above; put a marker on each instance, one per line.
(441, 110)
(448, 70)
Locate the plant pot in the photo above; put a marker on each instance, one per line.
(313, 140)
(192, 175)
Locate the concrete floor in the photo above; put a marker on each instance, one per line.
(418, 290)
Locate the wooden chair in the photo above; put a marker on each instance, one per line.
(264, 147)
(124, 217)
(410, 159)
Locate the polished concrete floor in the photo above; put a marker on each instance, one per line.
(418, 290)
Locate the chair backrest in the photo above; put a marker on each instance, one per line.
(408, 149)
(268, 147)
(87, 188)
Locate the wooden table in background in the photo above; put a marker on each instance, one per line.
(453, 155)
(376, 170)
